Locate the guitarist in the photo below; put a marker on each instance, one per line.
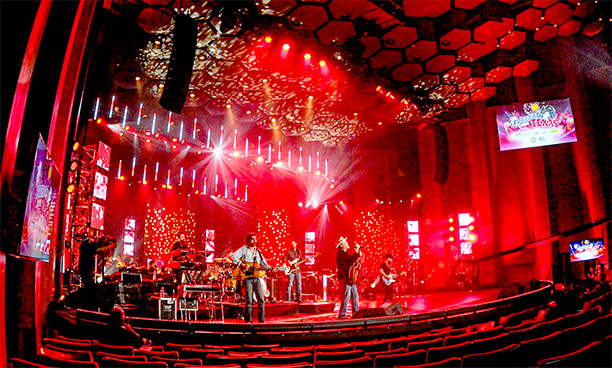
(293, 257)
(386, 277)
(345, 261)
(250, 260)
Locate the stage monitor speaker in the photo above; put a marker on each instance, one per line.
(180, 67)
(392, 309)
(386, 309)
(441, 140)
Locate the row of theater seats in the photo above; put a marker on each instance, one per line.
(525, 338)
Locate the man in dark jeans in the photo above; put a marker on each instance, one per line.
(345, 263)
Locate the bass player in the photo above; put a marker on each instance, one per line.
(253, 265)
(386, 277)
(294, 258)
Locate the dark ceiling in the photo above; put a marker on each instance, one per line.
(387, 62)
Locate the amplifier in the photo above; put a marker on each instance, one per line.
(188, 304)
(167, 308)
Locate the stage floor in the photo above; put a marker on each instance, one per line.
(289, 312)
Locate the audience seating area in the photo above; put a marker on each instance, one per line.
(525, 338)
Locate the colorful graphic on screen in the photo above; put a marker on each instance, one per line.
(535, 124)
(100, 186)
(40, 206)
(587, 249)
(103, 156)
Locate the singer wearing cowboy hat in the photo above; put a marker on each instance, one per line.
(344, 261)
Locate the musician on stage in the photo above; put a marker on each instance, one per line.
(345, 262)
(251, 262)
(293, 256)
(179, 247)
(386, 277)
(88, 252)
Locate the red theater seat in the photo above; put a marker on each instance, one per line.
(588, 356)
(253, 347)
(490, 358)
(114, 349)
(293, 349)
(345, 346)
(63, 353)
(293, 365)
(68, 344)
(437, 354)
(163, 354)
(135, 358)
(112, 362)
(188, 353)
(172, 362)
(225, 348)
(448, 363)
(282, 359)
(18, 363)
(372, 346)
(363, 362)
(417, 345)
(178, 347)
(338, 355)
(411, 358)
(243, 360)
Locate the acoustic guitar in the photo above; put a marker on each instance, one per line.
(253, 269)
(355, 269)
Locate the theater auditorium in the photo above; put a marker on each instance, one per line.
(306, 183)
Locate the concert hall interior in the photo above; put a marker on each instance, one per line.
(355, 183)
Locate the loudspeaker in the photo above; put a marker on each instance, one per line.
(386, 309)
(181, 64)
(441, 140)
(392, 309)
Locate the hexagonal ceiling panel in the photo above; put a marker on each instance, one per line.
(436, 55)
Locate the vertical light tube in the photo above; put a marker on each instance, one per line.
(119, 171)
(181, 177)
(169, 121)
(95, 117)
(225, 194)
(300, 158)
(309, 163)
(279, 150)
(246, 147)
(259, 146)
(125, 111)
(153, 125)
(168, 180)
(144, 175)
(235, 137)
(156, 170)
(317, 160)
(133, 165)
(205, 183)
(208, 139)
(289, 159)
(246, 193)
(112, 107)
(269, 152)
(181, 132)
(235, 186)
(216, 183)
(193, 179)
(139, 114)
(195, 128)
(221, 137)
(326, 173)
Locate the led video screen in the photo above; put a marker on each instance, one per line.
(40, 206)
(535, 124)
(586, 249)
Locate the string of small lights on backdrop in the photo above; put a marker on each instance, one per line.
(274, 232)
(162, 229)
(377, 233)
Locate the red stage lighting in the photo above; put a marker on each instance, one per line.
(268, 39)
(451, 220)
(301, 204)
(71, 188)
(260, 159)
(307, 56)
(341, 202)
(122, 177)
(452, 228)
(286, 47)
(322, 63)
(127, 127)
(419, 196)
(76, 146)
(148, 133)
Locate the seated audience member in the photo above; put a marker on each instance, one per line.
(119, 332)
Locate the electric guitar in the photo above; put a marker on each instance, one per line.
(253, 269)
(293, 265)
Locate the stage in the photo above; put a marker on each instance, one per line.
(295, 323)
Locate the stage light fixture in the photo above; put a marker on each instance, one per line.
(322, 63)
(260, 159)
(286, 47)
(71, 188)
(76, 146)
(268, 39)
(307, 56)
(418, 195)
